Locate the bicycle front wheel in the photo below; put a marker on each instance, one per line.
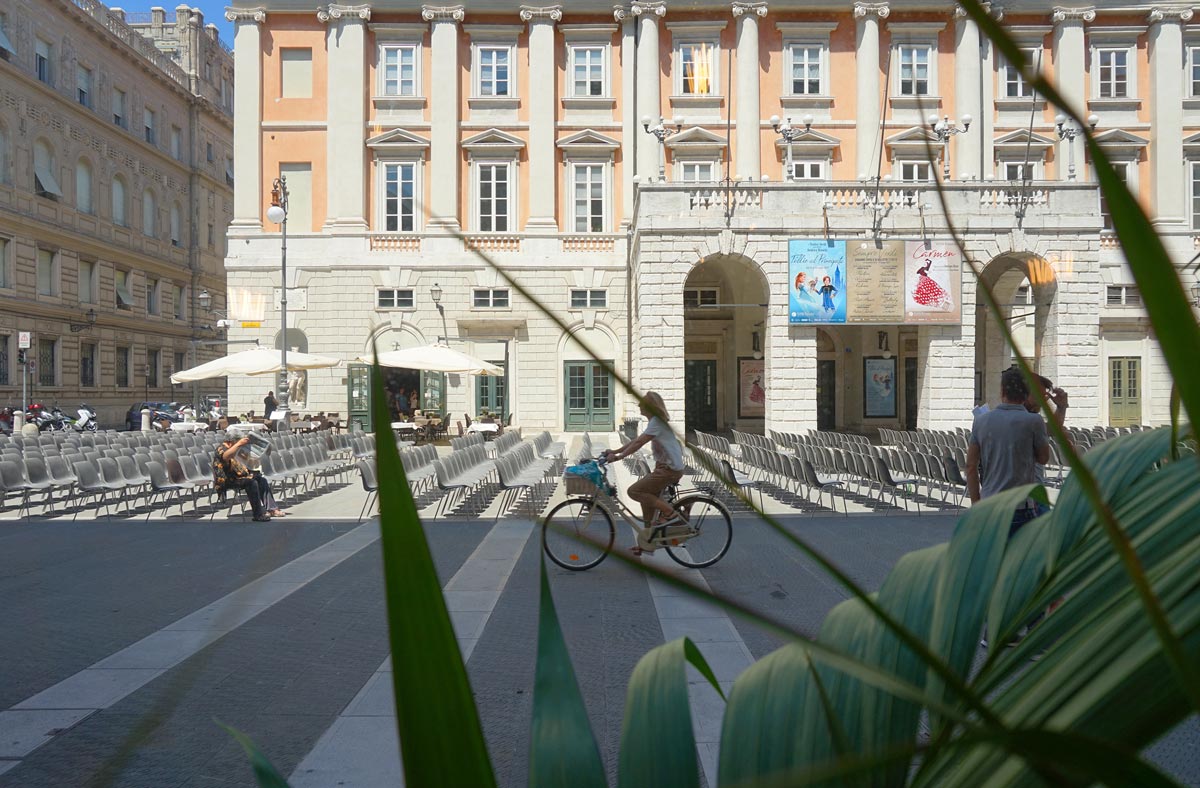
(577, 534)
(712, 532)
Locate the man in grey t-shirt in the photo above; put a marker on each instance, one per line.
(1008, 443)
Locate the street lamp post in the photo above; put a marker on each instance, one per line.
(277, 214)
(1067, 130)
(435, 294)
(944, 129)
(661, 132)
(789, 134)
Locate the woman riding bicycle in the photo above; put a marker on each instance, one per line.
(668, 468)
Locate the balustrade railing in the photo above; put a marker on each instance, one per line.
(139, 43)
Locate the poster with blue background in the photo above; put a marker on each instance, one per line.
(816, 281)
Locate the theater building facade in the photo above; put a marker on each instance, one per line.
(777, 256)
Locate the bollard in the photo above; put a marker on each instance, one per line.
(145, 419)
(18, 421)
(30, 431)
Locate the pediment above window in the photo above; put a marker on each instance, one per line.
(811, 141)
(1119, 140)
(397, 141)
(695, 140)
(588, 142)
(913, 142)
(493, 141)
(1018, 141)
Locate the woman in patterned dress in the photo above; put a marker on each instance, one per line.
(928, 292)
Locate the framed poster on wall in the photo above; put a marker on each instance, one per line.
(752, 388)
(879, 387)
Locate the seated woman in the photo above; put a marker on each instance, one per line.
(230, 472)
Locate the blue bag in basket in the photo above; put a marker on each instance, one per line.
(587, 470)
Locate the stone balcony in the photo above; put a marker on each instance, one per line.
(850, 208)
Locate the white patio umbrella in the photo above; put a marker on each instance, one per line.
(255, 361)
(434, 358)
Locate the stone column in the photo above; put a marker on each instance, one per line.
(1166, 115)
(542, 99)
(247, 114)
(346, 103)
(968, 83)
(749, 112)
(867, 105)
(649, 98)
(443, 115)
(1070, 72)
(631, 133)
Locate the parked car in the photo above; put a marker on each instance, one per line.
(158, 411)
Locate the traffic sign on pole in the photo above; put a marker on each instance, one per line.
(23, 340)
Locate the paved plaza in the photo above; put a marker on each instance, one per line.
(129, 640)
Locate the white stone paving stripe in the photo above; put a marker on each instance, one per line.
(361, 748)
(35, 720)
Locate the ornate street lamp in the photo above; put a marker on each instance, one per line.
(1067, 130)
(944, 129)
(789, 133)
(661, 133)
(277, 214)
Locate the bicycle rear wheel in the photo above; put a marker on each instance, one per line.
(577, 534)
(713, 531)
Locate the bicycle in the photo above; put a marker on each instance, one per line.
(579, 533)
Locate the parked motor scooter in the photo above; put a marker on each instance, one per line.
(46, 419)
(86, 422)
(6, 420)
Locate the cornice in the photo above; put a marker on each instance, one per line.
(335, 11)
(741, 7)
(881, 10)
(655, 7)
(1160, 14)
(553, 13)
(454, 13)
(258, 15)
(1061, 15)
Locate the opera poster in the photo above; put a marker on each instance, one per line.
(879, 387)
(752, 388)
(817, 286)
(872, 266)
(932, 282)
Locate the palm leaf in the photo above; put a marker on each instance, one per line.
(562, 747)
(657, 744)
(441, 740)
(265, 773)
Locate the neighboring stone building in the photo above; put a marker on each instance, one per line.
(116, 186)
(415, 137)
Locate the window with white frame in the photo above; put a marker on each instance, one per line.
(1194, 167)
(119, 202)
(494, 69)
(812, 170)
(1113, 72)
(1194, 72)
(391, 298)
(153, 296)
(47, 272)
(399, 197)
(1018, 171)
(122, 291)
(179, 294)
(5, 263)
(398, 70)
(87, 282)
(696, 68)
(118, 108)
(493, 197)
(83, 85)
(83, 186)
(589, 205)
(149, 214)
(589, 299)
(177, 143)
(695, 297)
(914, 75)
(806, 69)
(916, 171)
(494, 298)
(588, 71)
(42, 61)
(176, 225)
(1012, 82)
(1122, 295)
(697, 171)
(149, 124)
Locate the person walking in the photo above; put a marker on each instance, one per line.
(668, 468)
(270, 404)
(1009, 443)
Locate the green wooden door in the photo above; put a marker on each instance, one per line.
(491, 394)
(700, 395)
(827, 395)
(1125, 392)
(588, 402)
(358, 396)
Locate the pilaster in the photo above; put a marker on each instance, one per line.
(1166, 115)
(630, 139)
(247, 112)
(649, 95)
(1070, 68)
(749, 112)
(542, 100)
(443, 115)
(968, 83)
(867, 101)
(345, 41)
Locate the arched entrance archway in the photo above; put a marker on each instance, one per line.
(725, 345)
(590, 395)
(1024, 286)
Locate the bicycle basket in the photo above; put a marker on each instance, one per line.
(583, 479)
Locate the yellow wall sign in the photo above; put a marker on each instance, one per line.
(251, 324)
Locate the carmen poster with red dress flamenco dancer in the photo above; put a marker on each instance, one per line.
(933, 282)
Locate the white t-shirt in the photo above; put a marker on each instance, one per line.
(665, 445)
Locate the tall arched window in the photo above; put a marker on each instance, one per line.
(83, 186)
(119, 201)
(176, 229)
(44, 180)
(149, 213)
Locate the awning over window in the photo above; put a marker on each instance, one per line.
(124, 297)
(46, 181)
(5, 43)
